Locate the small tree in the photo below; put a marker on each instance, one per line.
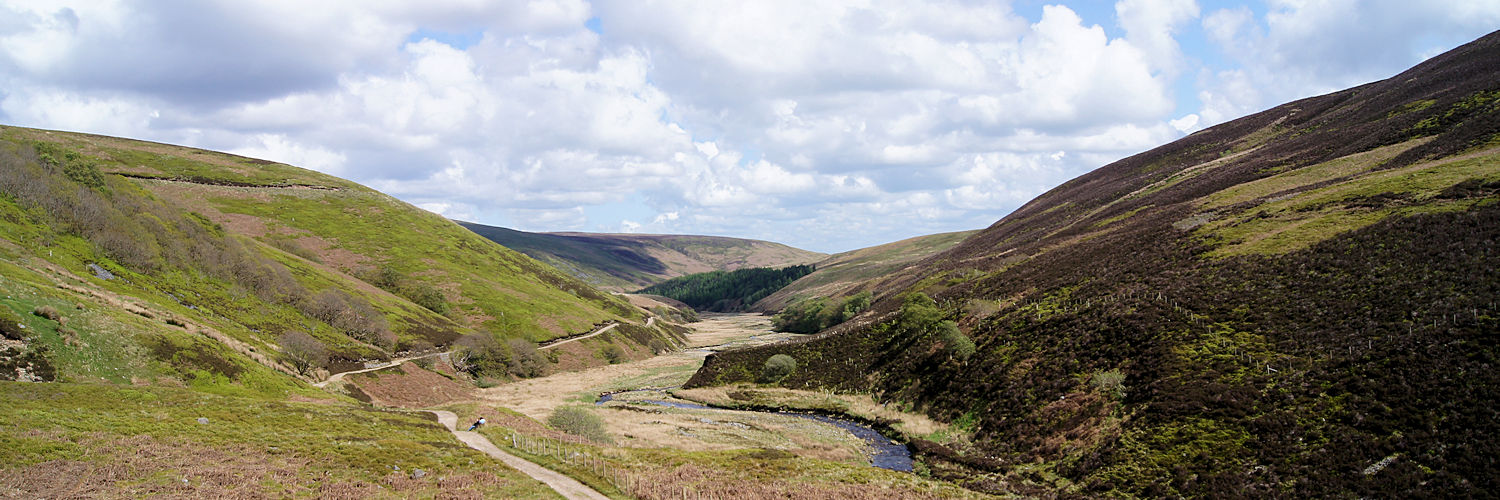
(479, 353)
(526, 360)
(919, 315)
(801, 317)
(777, 368)
(855, 305)
(957, 344)
(303, 352)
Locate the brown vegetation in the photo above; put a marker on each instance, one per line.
(163, 469)
(1118, 354)
(303, 352)
(410, 386)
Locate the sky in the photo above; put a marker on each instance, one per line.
(830, 125)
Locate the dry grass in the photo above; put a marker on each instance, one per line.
(690, 481)
(1349, 165)
(149, 467)
(536, 398)
(647, 426)
(857, 405)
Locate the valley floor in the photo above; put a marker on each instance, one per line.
(664, 452)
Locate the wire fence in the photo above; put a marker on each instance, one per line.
(575, 455)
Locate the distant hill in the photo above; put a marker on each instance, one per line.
(623, 262)
(1299, 303)
(849, 272)
(138, 261)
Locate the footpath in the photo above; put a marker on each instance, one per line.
(564, 485)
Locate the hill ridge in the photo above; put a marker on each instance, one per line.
(1266, 307)
(629, 261)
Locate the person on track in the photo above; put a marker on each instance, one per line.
(477, 423)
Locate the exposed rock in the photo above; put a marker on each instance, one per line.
(101, 273)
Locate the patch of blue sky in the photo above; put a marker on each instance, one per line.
(457, 40)
(611, 217)
(594, 25)
(1092, 12)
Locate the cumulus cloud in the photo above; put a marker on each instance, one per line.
(827, 125)
(1298, 49)
(1150, 26)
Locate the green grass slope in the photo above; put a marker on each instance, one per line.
(89, 441)
(164, 264)
(1299, 303)
(622, 262)
(854, 271)
(342, 227)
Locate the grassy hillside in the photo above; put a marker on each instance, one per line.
(73, 440)
(1299, 303)
(850, 272)
(622, 262)
(164, 263)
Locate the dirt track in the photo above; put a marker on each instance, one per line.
(606, 328)
(564, 485)
(395, 362)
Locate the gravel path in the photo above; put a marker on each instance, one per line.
(564, 485)
(611, 326)
(340, 375)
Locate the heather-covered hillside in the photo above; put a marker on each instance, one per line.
(623, 262)
(1298, 303)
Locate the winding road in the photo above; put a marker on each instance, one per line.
(340, 375)
(650, 320)
(563, 485)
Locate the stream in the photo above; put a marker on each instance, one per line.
(886, 454)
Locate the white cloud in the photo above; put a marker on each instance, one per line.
(278, 147)
(1185, 124)
(827, 125)
(1299, 48)
(1150, 26)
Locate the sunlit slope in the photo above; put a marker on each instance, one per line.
(1298, 303)
(94, 441)
(624, 262)
(349, 229)
(858, 270)
(134, 262)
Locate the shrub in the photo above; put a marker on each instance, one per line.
(814, 315)
(48, 312)
(477, 354)
(579, 421)
(801, 317)
(419, 293)
(480, 354)
(427, 296)
(1110, 382)
(777, 368)
(302, 351)
(957, 344)
(353, 316)
(613, 354)
(919, 315)
(526, 360)
(855, 305)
